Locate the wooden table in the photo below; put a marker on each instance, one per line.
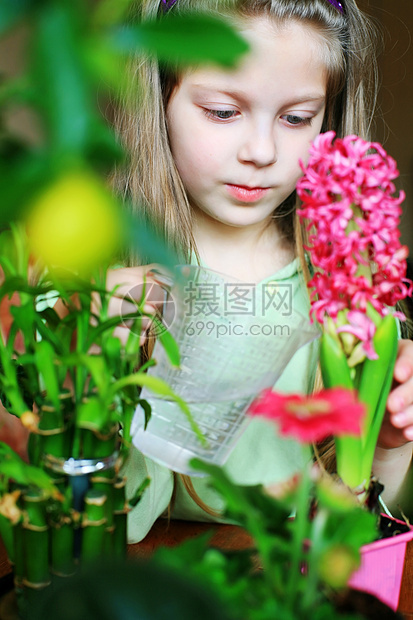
(406, 592)
(228, 537)
(170, 534)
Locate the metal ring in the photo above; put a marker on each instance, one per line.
(80, 467)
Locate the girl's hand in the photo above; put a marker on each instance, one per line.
(132, 282)
(397, 428)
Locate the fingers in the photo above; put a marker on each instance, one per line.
(400, 401)
(403, 421)
(402, 394)
(403, 369)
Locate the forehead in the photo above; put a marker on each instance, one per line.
(283, 59)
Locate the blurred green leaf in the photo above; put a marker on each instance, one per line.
(11, 11)
(171, 347)
(14, 468)
(153, 248)
(24, 319)
(44, 358)
(135, 499)
(23, 174)
(65, 88)
(248, 505)
(112, 349)
(157, 386)
(91, 416)
(357, 527)
(186, 39)
(109, 12)
(147, 409)
(59, 77)
(96, 365)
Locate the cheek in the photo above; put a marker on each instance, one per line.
(196, 159)
(300, 147)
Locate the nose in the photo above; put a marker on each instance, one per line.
(258, 146)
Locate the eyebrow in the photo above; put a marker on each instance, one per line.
(239, 94)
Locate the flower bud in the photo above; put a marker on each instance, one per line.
(337, 565)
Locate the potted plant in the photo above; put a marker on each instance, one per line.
(62, 370)
(352, 219)
(74, 386)
(296, 567)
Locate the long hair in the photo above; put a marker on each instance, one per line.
(150, 181)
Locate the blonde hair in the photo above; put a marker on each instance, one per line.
(150, 181)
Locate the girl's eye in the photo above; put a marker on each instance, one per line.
(292, 119)
(222, 115)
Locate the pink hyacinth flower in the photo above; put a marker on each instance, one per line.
(363, 328)
(352, 219)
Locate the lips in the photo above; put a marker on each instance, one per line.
(247, 194)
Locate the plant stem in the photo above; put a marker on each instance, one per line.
(300, 531)
(311, 591)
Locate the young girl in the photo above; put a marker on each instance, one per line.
(214, 160)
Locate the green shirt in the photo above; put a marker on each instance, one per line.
(261, 456)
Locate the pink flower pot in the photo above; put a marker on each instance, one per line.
(381, 568)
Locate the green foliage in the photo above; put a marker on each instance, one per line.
(255, 584)
(185, 39)
(13, 467)
(76, 50)
(11, 11)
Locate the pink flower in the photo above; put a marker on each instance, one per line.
(363, 328)
(352, 219)
(312, 418)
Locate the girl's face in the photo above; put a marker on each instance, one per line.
(237, 136)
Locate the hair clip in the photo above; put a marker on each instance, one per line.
(167, 5)
(336, 4)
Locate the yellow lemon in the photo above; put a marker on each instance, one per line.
(74, 224)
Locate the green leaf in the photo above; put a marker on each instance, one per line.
(22, 176)
(141, 235)
(14, 468)
(158, 386)
(11, 11)
(109, 12)
(44, 357)
(24, 317)
(147, 409)
(92, 415)
(171, 347)
(356, 527)
(133, 501)
(112, 349)
(185, 39)
(248, 505)
(64, 86)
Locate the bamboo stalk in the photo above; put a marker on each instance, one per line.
(120, 513)
(62, 546)
(55, 428)
(36, 540)
(93, 525)
(99, 445)
(19, 570)
(6, 534)
(36, 549)
(19, 562)
(103, 483)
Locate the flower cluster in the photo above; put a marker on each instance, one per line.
(347, 194)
